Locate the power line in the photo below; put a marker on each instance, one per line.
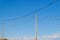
(20, 17)
(47, 5)
(34, 11)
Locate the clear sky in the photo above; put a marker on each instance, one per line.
(48, 18)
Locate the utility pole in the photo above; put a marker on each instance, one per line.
(36, 26)
(2, 29)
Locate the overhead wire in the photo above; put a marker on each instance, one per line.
(34, 11)
(47, 5)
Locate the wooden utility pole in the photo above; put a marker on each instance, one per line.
(36, 26)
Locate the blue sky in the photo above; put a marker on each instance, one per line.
(48, 22)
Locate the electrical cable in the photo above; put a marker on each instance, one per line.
(34, 11)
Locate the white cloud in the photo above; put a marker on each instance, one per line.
(52, 37)
(21, 38)
(55, 36)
